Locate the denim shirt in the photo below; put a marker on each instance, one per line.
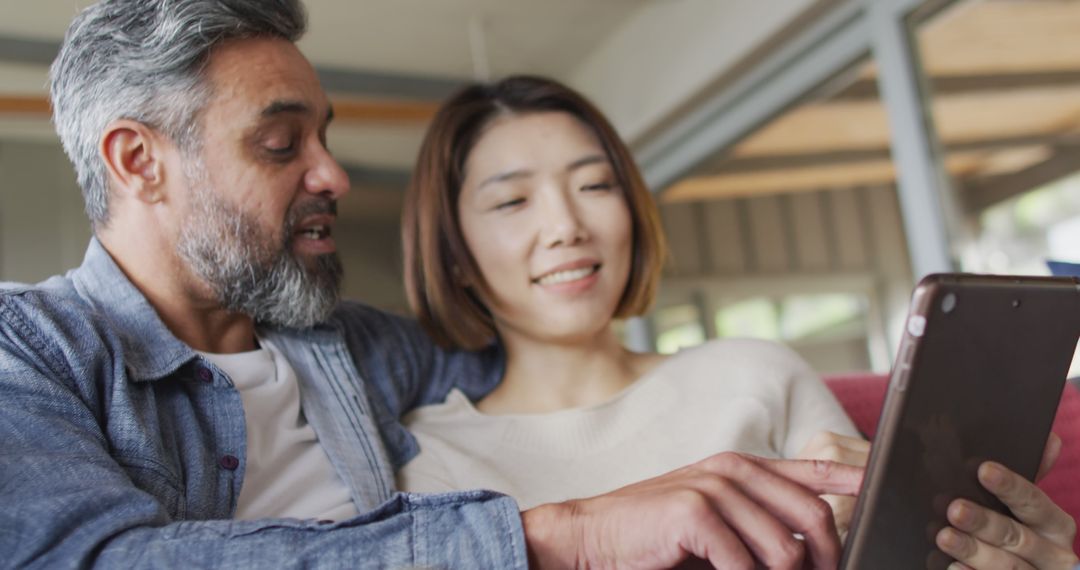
(122, 447)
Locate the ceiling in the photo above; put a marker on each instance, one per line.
(1005, 76)
(387, 64)
(1005, 83)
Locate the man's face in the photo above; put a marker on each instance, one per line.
(262, 188)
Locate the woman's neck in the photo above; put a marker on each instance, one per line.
(543, 376)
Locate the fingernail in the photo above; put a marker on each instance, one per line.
(955, 566)
(961, 514)
(1054, 441)
(949, 539)
(992, 474)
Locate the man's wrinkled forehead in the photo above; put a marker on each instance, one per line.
(256, 79)
(284, 107)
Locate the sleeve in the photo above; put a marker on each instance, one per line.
(811, 409)
(406, 366)
(67, 502)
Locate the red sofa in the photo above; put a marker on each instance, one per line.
(862, 396)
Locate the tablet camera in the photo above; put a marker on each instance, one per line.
(948, 303)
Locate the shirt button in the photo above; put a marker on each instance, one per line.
(229, 462)
(205, 375)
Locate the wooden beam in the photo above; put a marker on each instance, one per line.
(868, 173)
(384, 111)
(981, 194)
(865, 88)
(729, 164)
(24, 105)
(348, 110)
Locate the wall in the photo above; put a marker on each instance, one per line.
(44, 230)
(812, 242)
(669, 51)
(371, 252)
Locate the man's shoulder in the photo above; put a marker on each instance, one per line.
(49, 325)
(374, 326)
(48, 301)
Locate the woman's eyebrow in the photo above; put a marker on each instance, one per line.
(504, 176)
(587, 160)
(525, 173)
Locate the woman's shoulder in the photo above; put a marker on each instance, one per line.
(740, 365)
(742, 352)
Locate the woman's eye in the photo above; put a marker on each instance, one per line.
(598, 186)
(509, 204)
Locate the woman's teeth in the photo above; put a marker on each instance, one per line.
(567, 276)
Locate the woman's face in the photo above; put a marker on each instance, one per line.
(547, 223)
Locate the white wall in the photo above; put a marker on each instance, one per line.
(371, 252)
(43, 230)
(814, 242)
(669, 51)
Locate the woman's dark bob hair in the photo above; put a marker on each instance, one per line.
(437, 261)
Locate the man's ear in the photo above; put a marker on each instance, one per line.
(134, 156)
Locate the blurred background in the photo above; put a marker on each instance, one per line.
(812, 158)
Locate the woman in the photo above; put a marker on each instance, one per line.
(528, 224)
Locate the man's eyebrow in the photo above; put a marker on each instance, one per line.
(284, 107)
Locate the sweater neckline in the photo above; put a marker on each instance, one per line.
(459, 399)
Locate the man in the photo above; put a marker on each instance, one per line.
(195, 394)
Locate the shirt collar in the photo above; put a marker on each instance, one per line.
(151, 351)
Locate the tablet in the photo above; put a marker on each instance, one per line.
(978, 376)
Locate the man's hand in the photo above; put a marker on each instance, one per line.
(729, 509)
(982, 538)
(841, 449)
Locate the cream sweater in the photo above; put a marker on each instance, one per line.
(729, 395)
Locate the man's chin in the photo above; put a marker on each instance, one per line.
(326, 272)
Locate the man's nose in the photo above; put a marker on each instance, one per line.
(326, 176)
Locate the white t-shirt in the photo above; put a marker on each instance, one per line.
(729, 395)
(287, 472)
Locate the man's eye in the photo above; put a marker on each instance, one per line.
(281, 145)
(509, 204)
(281, 150)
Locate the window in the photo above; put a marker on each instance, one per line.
(678, 327)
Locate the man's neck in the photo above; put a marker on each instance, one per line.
(183, 302)
(543, 376)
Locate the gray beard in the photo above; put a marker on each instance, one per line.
(250, 273)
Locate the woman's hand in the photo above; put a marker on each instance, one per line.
(982, 538)
(841, 449)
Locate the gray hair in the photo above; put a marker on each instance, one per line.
(144, 60)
